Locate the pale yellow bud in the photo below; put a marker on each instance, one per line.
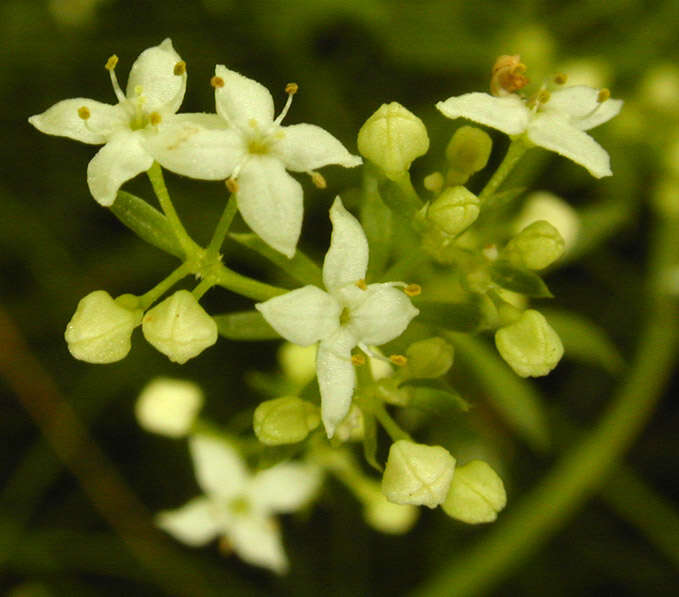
(285, 420)
(454, 210)
(429, 358)
(467, 152)
(538, 245)
(385, 516)
(298, 362)
(169, 406)
(352, 427)
(546, 206)
(476, 494)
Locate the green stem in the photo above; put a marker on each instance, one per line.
(245, 286)
(515, 152)
(223, 226)
(155, 174)
(202, 288)
(390, 426)
(147, 299)
(407, 188)
(584, 468)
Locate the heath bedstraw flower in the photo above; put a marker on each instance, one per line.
(168, 406)
(555, 121)
(144, 117)
(238, 506)
(476, 494)
(254, 152)
(349, 314)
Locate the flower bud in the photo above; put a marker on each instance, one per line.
(179, 327)
(286, 420)
(168, 406)
(530, 346)
(546, 206)
(429, 358)
(454, 210)
(467, 152)
(392, 138)
(100, 329)
(536, 246)
(298, 362)
(385, 516)
(476, 494)
(352, 427)
(417, 474)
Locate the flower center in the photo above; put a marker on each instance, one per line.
(345, 316)
(240, 505)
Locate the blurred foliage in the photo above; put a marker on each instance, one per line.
(348, 56)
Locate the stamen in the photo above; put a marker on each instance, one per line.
(318, 180)
(155, 118)
(560, 78)
(179, 68)
(232, 185)
(507, 75)
(543, 96)
(111, 68)
(361, 284)
(217, 82)
(604, 94)
(357, 359)
(413, 290)
(290, 89)
(398, 359)
(111, 63)
(84, 112)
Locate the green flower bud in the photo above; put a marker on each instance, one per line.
(169, 406)
(383, 515)
(100, 330)
(547, 206)
(179, 327)
(454, 210)
(429, 358)
(467, 152)
(530, 346)
(476, 494)
(536, 246)
(286, 420)
(392, 138)
(417, 474)
(298, 362)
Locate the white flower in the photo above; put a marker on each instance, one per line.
(349, 314)
(238, 506)
(129, 130)
(254, 152)
(556, 121)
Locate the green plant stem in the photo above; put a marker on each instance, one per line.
(407, 188)
(514, 153)
(155, 174)
(223, 226)
(390, 426)
(259, 291)
(147, 299)
(584, 468)
(201, 289)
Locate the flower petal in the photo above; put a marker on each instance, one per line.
(196, 145)
(305, 147)
(152, 76)
(383, 315)
(63, 119)
(555, 134)
(303, 316)
(257, 540)
(507, 114)
(192, 524)
(336, 378)
(606, 111)
(346, 261)
(121, 159)
(581, 104)
(285, 487)
(241, 100)
(271, 202)
(220, 470)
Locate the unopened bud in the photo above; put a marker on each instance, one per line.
(530, 346)
(385, 516)
(467, 152)
(392, 138)
(476, 494)
(417, 474)
(298, 363)
(286, 420)
(179, 327)
(536, 246)
(352, 427)
(454, 210)
(429, 358)
(546, 206)
(101, 328)
(169, 406)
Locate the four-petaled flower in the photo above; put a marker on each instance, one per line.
(349, 314)
(253, 151)
(238, 506)
(143, 118)
(555, 121)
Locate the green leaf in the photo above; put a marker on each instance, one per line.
(584, 340)
(515, 399)
(460, 317)
(518, 279)
(435, 395)
(397, 201)
(370, 441)
(300, 267)
(245, 325)
(146, 222)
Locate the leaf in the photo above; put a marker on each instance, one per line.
(434, 395)
(518, 279)
(245, 325)
(146, 222)
(584, 340)
(461, 317)
(515, 399)
(300, 267)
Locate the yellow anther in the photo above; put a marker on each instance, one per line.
(560, 78)
(155, 118)
(604, 94)
(507, 75)
(291, 88)
(413, 290)
(399, 360)
(84, 112)
(111, 62)
(318, 180)
(357, 359)
(543, 96)
(232, 185)
(434, 182)
(361, 284)
(179, 68)
(217, 82)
